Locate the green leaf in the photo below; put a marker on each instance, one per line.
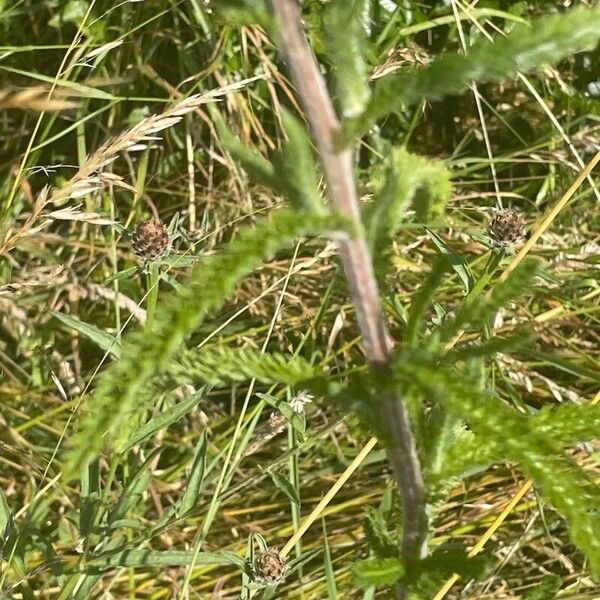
(103, 340)
(194, 483)
(547, 40)
(379, 572)
(345, 44)
(569, 423)
(332, 592)
(548, 587)
(244, 12)
(134, 489)
(561, 481)
(165, 418)
(284, 484)
(300, 561)
(219, 364)
(442, 429)
(560, 363)
(491, 347)
(6, 520)
(427, 575)
(382, 542)
(459, 265)
(293, 172)
(256, 165)
(296, 168)
(293, 418)
(410, 180)
(422, 300)
(480, 309)
(157, 558)
(90, 497)
(116, 405)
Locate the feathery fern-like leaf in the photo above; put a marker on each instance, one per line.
(560, 479)
(568, 424)
(527, 47)
(118, 399)
(410, 180)
(477, 309)
(296, 168)
(218, 364)
(345, 38)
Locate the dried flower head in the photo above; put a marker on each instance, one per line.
(150, 240)
(270, 566)
(506, 226)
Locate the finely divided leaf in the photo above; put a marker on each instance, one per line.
(218, 364)
(527, 47)
(559, 478)
(410, 180)
(119, 399)
(345, 41)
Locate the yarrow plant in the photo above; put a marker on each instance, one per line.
(418, 373)
(424, 396)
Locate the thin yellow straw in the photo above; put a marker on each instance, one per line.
(328, 497)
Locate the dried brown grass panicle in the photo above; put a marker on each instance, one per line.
(89, 177)
(36, 98)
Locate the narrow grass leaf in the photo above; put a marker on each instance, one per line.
(332, 592)
(158, 558)
(165, 418)
(282, 483)
(458, 263)
(134, 488)
(194, 484)
(103, 340)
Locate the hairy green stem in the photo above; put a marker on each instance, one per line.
(338, 166)
(152, 291)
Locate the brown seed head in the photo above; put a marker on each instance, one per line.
(506, 226)
(150, 240)
(270, 566)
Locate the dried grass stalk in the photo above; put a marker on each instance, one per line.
(88, 178)
(36, 98)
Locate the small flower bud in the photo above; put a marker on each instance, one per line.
(506, 226)
(270, 567)
(150, 240)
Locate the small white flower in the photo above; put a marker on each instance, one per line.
(299, 400)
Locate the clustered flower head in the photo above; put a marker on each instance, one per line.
(506, 226)
(299, 400)
(150, 240)
(270, 567)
